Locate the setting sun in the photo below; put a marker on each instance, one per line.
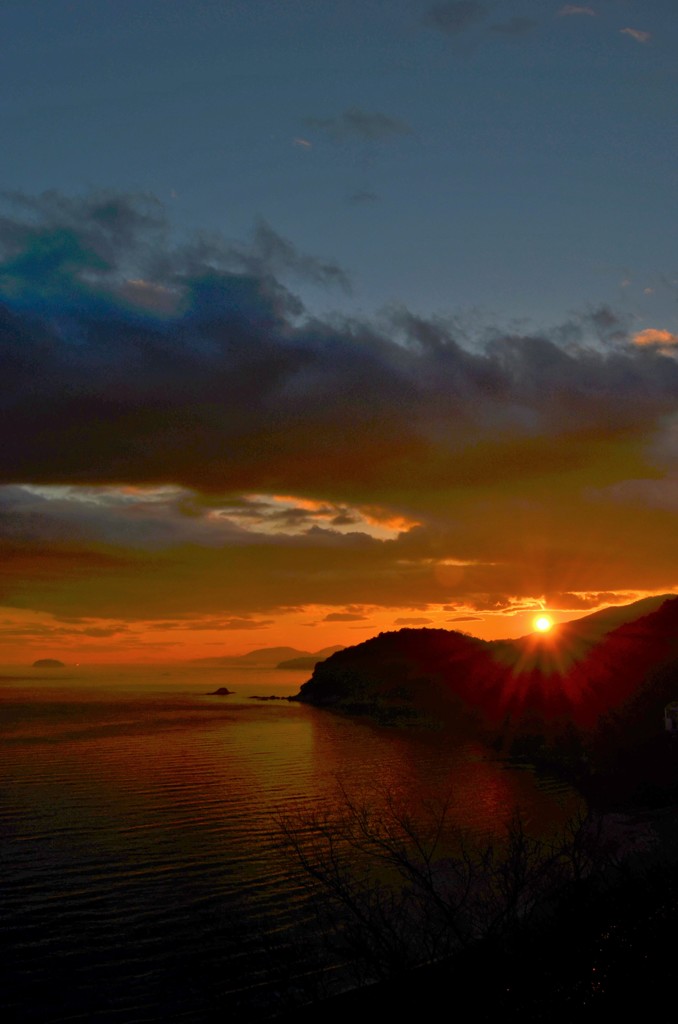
(543, 623)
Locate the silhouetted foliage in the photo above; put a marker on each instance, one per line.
(392, 891)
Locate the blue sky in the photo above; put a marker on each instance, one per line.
(508, 161)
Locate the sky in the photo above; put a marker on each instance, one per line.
(324, 318)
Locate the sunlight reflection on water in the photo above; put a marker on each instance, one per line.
(141, 860)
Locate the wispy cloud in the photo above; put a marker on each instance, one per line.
(237, 623)
(584, 602)
(356, 123)
(456, 17)
(271, 253)
(637, 34)
(344, 617)
(514, 27)
(573, 9)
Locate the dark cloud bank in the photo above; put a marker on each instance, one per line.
(127, 361)
(531, 464)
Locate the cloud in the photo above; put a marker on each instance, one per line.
(608, 326)
(637, 34)
(514, 27)
(658, 494)
(466, 618)
(148, 519)
(201, 458)
(269, 254)
(584, 602)
(54, 246)
(573, 9)
(356, 123)
(344, 617)
(235, 393)
(455, 17)
(652, 336)
(54, 631)
(344, 519)
(242, 623)
(413, 620)
(491, 602)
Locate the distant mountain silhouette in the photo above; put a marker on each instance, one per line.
(310, 660)
(604, 621)
(269, 657)
(592, 689)
(261, 657)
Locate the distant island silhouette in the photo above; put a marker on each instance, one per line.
(48, 663)
(586, 699)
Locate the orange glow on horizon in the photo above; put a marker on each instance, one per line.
(29, 635)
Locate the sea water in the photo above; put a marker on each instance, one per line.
(142, 872)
